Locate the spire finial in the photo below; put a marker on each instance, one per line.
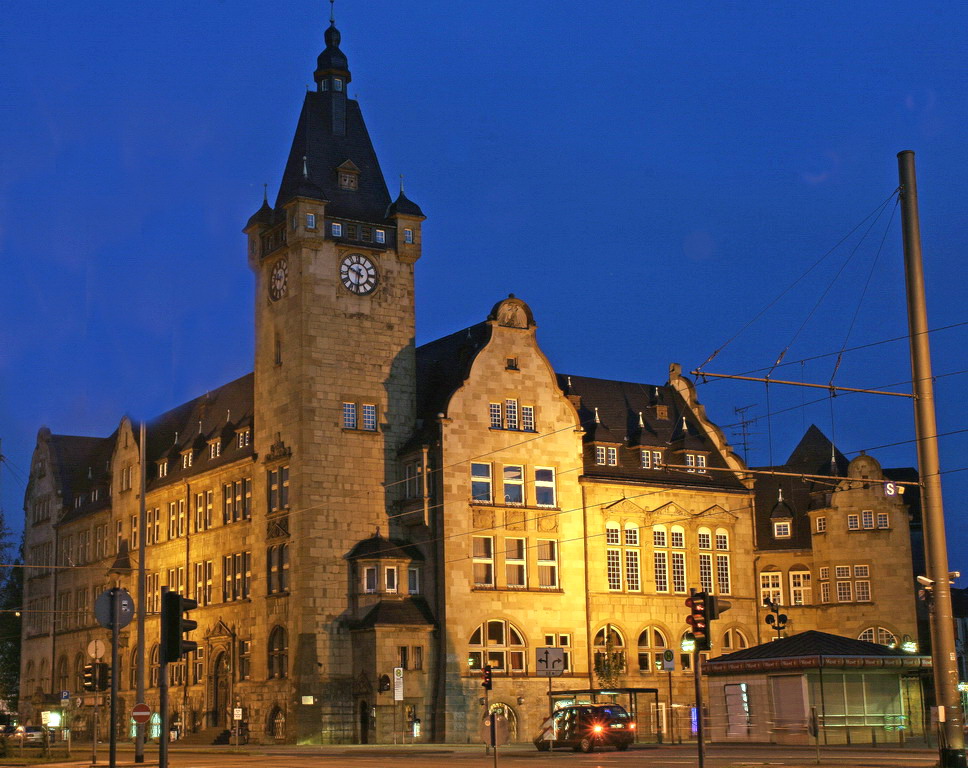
(401, 183)
(265, 194)
(332, 12)
(305, 168)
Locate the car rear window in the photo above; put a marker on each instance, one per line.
(616, 712)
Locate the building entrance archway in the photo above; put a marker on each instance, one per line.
(220, 691)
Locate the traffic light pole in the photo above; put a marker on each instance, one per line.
(943, 651)
(115, 638)
(697, 672)
(163, 693)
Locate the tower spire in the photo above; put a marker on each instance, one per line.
(332, 13)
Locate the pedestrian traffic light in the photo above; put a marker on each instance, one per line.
(698, 619)
(174, 625)
(486, 681)
(102, 674)
(90, 677)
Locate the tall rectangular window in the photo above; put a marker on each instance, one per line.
(349, 415)
(825, 592)
(408, 236)
(544, 487)
(722, 574)
(369, 417)
(483, 553)
(278, 489)
(612, 454)
(494, 413)
(380, 236)
(613, 558)
(412, 480)
(599, 454)
(547, 563)
(656, 459)
(369, 579)
(867, 518)
(691, 462)
(706, 572)
(853, 523)
(679, 572)
(390, 579)
(821, 524)
(515, 563)
(661, 566)
(844, 591)
(801, 592)
(172, 520)
(632, 572)
(527, 418)
(862, 591)
(646, 457)
(511, 414)
(413, 581)
(513, 484)
(700, 463)
(481, 482)
(883, 520)
(771, 587)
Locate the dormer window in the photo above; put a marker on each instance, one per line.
(781, 529)
(348, 180)
(244, 437)
(337, 84)
(186, 459)
(380, 236)
(214, 449)
(310, 221)
(408, 236)
(336, 229)
(163, 468)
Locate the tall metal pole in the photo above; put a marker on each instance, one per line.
(139, 744)
(950, 715)
(115, 635)
(163, 694)
(700, 734)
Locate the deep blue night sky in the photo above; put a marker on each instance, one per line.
(647, 176)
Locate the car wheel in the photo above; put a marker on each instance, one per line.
(586, 745)
(622, 746)
(543, 746)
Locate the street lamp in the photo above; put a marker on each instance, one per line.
(774, 618)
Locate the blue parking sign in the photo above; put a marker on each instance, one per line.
(65, 695)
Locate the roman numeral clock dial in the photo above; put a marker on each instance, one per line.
(358, 274)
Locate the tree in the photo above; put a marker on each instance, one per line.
(609, 663)
(11, 597)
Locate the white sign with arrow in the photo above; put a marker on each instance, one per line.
(549, 662)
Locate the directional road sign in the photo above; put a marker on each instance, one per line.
(549, 662)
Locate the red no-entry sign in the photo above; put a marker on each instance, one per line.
(141, 713)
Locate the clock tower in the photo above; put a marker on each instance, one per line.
(334, 375)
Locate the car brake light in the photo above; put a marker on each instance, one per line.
(632, 726)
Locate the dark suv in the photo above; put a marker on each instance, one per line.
(586, 726)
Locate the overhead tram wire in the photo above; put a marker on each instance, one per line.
(876, 212)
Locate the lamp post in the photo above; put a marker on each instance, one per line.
(774, 618)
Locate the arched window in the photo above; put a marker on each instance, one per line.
(153, 667)
(63, 675)
(616, 640)
(79, 662)
(705, 538)
(652, 642)
(278, 652)
(613, 533)
(133, 682)
(498, 643)
(880, 635)
(276, 726)
(43, 679)
(677, 536)
(29, 678)
(734, 640)
(722, 539)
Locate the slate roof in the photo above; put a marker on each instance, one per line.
(384, 549)
(620, 405)
(410, 612)
(79, 465)
(810, 643)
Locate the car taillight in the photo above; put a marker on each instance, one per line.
(632, 726)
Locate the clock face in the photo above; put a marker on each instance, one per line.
(358, 274)
(279, 280)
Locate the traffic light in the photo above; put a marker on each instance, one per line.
(174, 625)
(102, 674)
(486, 682)
(90, 677)
(717, 607)
(698, 619)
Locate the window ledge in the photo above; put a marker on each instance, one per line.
(543, 590)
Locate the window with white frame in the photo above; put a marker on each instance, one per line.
(336, 229)
(544, 487)
(408, 236)
(652, 644)
(706, 571)
(722, 539)
(656, 459)
(380, 236)
(499, 644)
(481, 482)
(862, 591)
(511, 414)
(369, 417)
(700, 463)
(801, 592)
(633, 581)
(613, 566)
(310, 221)
(704, 538)
(734, 640)
(867, 518)
(515, 562)
(723, 581)
(513, 484)
(645, 457)
(527, 418)
(844, 591)
(349, 415)
(679, 572)
(563, 641)
(612, 456)
(631, 535)
(883, 520)
(369, 579)
(617, 641)
(824, 571)
(880, 635)
(824, 591)
(771, 587)
(390, 578)
(548, 563)
(677, 536)
(691, 462)
(483, 560)
(853, 522)
(494, 414)
(659, 538)
(821, 524)
(600, 455)
(842, 571)
(781, 529)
